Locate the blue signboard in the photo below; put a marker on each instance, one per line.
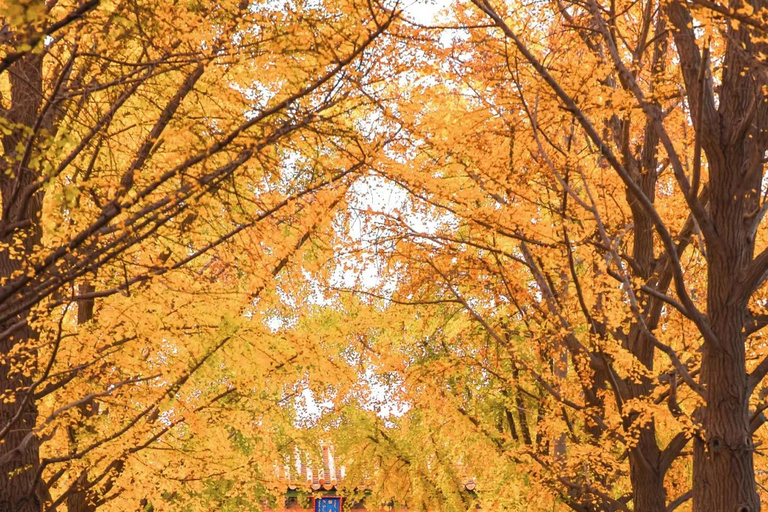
(328, 505)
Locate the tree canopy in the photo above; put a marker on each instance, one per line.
(514, 243)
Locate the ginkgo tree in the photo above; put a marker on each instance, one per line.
(157, 158)
(587, 180)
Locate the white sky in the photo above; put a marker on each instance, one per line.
(425, 11)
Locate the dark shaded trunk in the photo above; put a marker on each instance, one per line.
(648, 493)
(19, 447)
(724, 478)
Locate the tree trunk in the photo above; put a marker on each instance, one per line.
(19, 444)
(20, 489)
(724, 478)
(648, 493)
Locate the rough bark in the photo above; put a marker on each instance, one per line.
(19, 486)
(724, 478)
(734, 141)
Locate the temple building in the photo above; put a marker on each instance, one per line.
(317, 489)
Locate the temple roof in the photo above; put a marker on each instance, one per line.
(316, 478)
(327, 476)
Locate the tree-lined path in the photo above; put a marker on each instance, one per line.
(515, 243)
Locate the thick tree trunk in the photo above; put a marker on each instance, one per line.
(19, 445)
(724, 478)
(732, 135)
(20, 489)
(647, 482)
